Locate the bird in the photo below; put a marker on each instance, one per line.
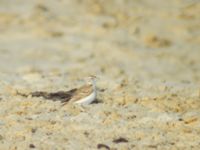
(83, 95)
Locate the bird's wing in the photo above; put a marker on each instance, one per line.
(82, 92)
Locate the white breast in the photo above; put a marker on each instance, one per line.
(87, 100)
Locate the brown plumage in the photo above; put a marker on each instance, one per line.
(82, 92)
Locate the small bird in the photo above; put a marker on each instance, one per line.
(83, 95)
(87, 93)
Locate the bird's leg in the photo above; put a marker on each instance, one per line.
(82, 108)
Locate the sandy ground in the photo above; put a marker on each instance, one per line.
(146, 54)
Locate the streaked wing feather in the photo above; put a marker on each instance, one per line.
(82, 92)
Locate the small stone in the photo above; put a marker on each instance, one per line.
(32, 146)
(99, 146)
(120, 140)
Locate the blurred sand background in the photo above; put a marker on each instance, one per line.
(146, 54)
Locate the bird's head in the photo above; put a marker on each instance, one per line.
(91, 79)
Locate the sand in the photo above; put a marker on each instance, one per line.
(145, 53)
